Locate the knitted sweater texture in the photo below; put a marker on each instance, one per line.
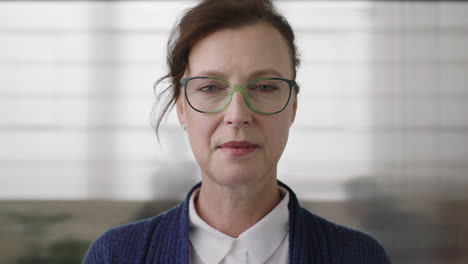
(164, 239)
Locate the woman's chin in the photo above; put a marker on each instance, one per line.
(240, 178)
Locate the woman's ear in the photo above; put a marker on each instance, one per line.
(294, 110)
(180, 108)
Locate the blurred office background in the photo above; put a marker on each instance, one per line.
(380, 142)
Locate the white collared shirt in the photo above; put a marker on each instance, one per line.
(265, 242)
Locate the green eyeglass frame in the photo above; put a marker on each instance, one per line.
(242, 90)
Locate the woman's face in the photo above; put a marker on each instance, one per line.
(238, 146)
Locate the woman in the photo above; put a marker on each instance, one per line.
(232, 70)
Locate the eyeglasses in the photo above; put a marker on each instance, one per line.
(211, 95)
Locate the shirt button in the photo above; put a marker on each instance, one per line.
(237, 244)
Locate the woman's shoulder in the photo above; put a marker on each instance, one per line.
(340, 232)
(129, 241)
(347, 242)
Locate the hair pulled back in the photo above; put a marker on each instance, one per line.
(203, 19)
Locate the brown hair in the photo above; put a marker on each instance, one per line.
(205, 18)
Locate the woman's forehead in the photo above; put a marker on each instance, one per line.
(249, 50)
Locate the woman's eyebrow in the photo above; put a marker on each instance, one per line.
(265, 72)
(213, 73)
(255, 74)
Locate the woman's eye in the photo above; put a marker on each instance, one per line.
(209, 88)
(265, 88)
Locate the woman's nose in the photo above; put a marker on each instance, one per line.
(238, 113)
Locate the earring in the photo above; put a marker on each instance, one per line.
(183, 126)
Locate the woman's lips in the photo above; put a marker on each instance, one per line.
(238, 148)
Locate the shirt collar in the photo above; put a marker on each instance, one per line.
(260, 240)
(265, 237)
(210, 244)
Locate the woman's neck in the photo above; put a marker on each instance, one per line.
(232, 210)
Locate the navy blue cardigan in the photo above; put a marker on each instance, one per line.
(164, 239)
